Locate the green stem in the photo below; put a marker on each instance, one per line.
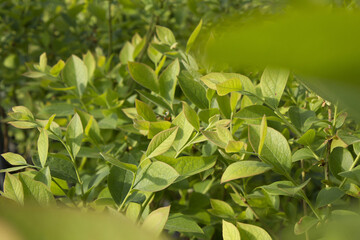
(304, 196)
(243, 199)
(110, 29)
(72, 160)
(287, 123)
(187, 144)
(147, 201)
(72, 201)
(128, 194)
(307, 200)
(277, 112)
(148, 36)
(351, 168)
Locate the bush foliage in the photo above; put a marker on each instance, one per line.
(152, 132)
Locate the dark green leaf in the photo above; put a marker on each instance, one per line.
(119, 183)
(194, 91)
(328, 195)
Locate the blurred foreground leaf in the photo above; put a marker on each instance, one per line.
(46, 223)
(319, 44)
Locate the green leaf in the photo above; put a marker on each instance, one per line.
(230, 231)
(252, 232)
(74, 135)
(307, 138)
(255, 112)
(12, 169)
(156, 220)
(93, 130)
(213, 79)
(191, 116)
(161, 142)
(14, 159)
(214, 138)
(145, 111)
(224, 106)
(61, 167)
(60, 109)
(206, 114)
(353, 174)
(56, 69)
(13, 189)
(340, 161)
(193, 37)
(223, 133)
(44, 176)
(298, 117)
(190, 165)
(234, 146)
(43, 62)
(119, 183)
(302, 154)
(43, 146)
(285, 188)
(155, 100)
(156, 127)
(23, 125)
(144, 75)
(25, 113)
(234, 99)
(328, 195)
(194, 91)
(154, 54)
(168, 80)
(118, 163)
(231, 85)
(133, 211)
(272, 83)
(90, 64)
(243, 169)
(263, 131)
(49, 122)
(276, 150)
(75, 73)
(184, 131)
(165, 35)
(305, 224)
(35, 191)
(127, 53)
(181, 223)
(155, 177)
(221, 208)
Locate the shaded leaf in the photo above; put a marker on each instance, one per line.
(155, 177)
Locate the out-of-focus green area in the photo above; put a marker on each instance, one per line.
(320, 43)
(35, 223)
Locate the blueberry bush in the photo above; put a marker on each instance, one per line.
(153, 142)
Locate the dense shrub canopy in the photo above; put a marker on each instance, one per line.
(112, 107)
